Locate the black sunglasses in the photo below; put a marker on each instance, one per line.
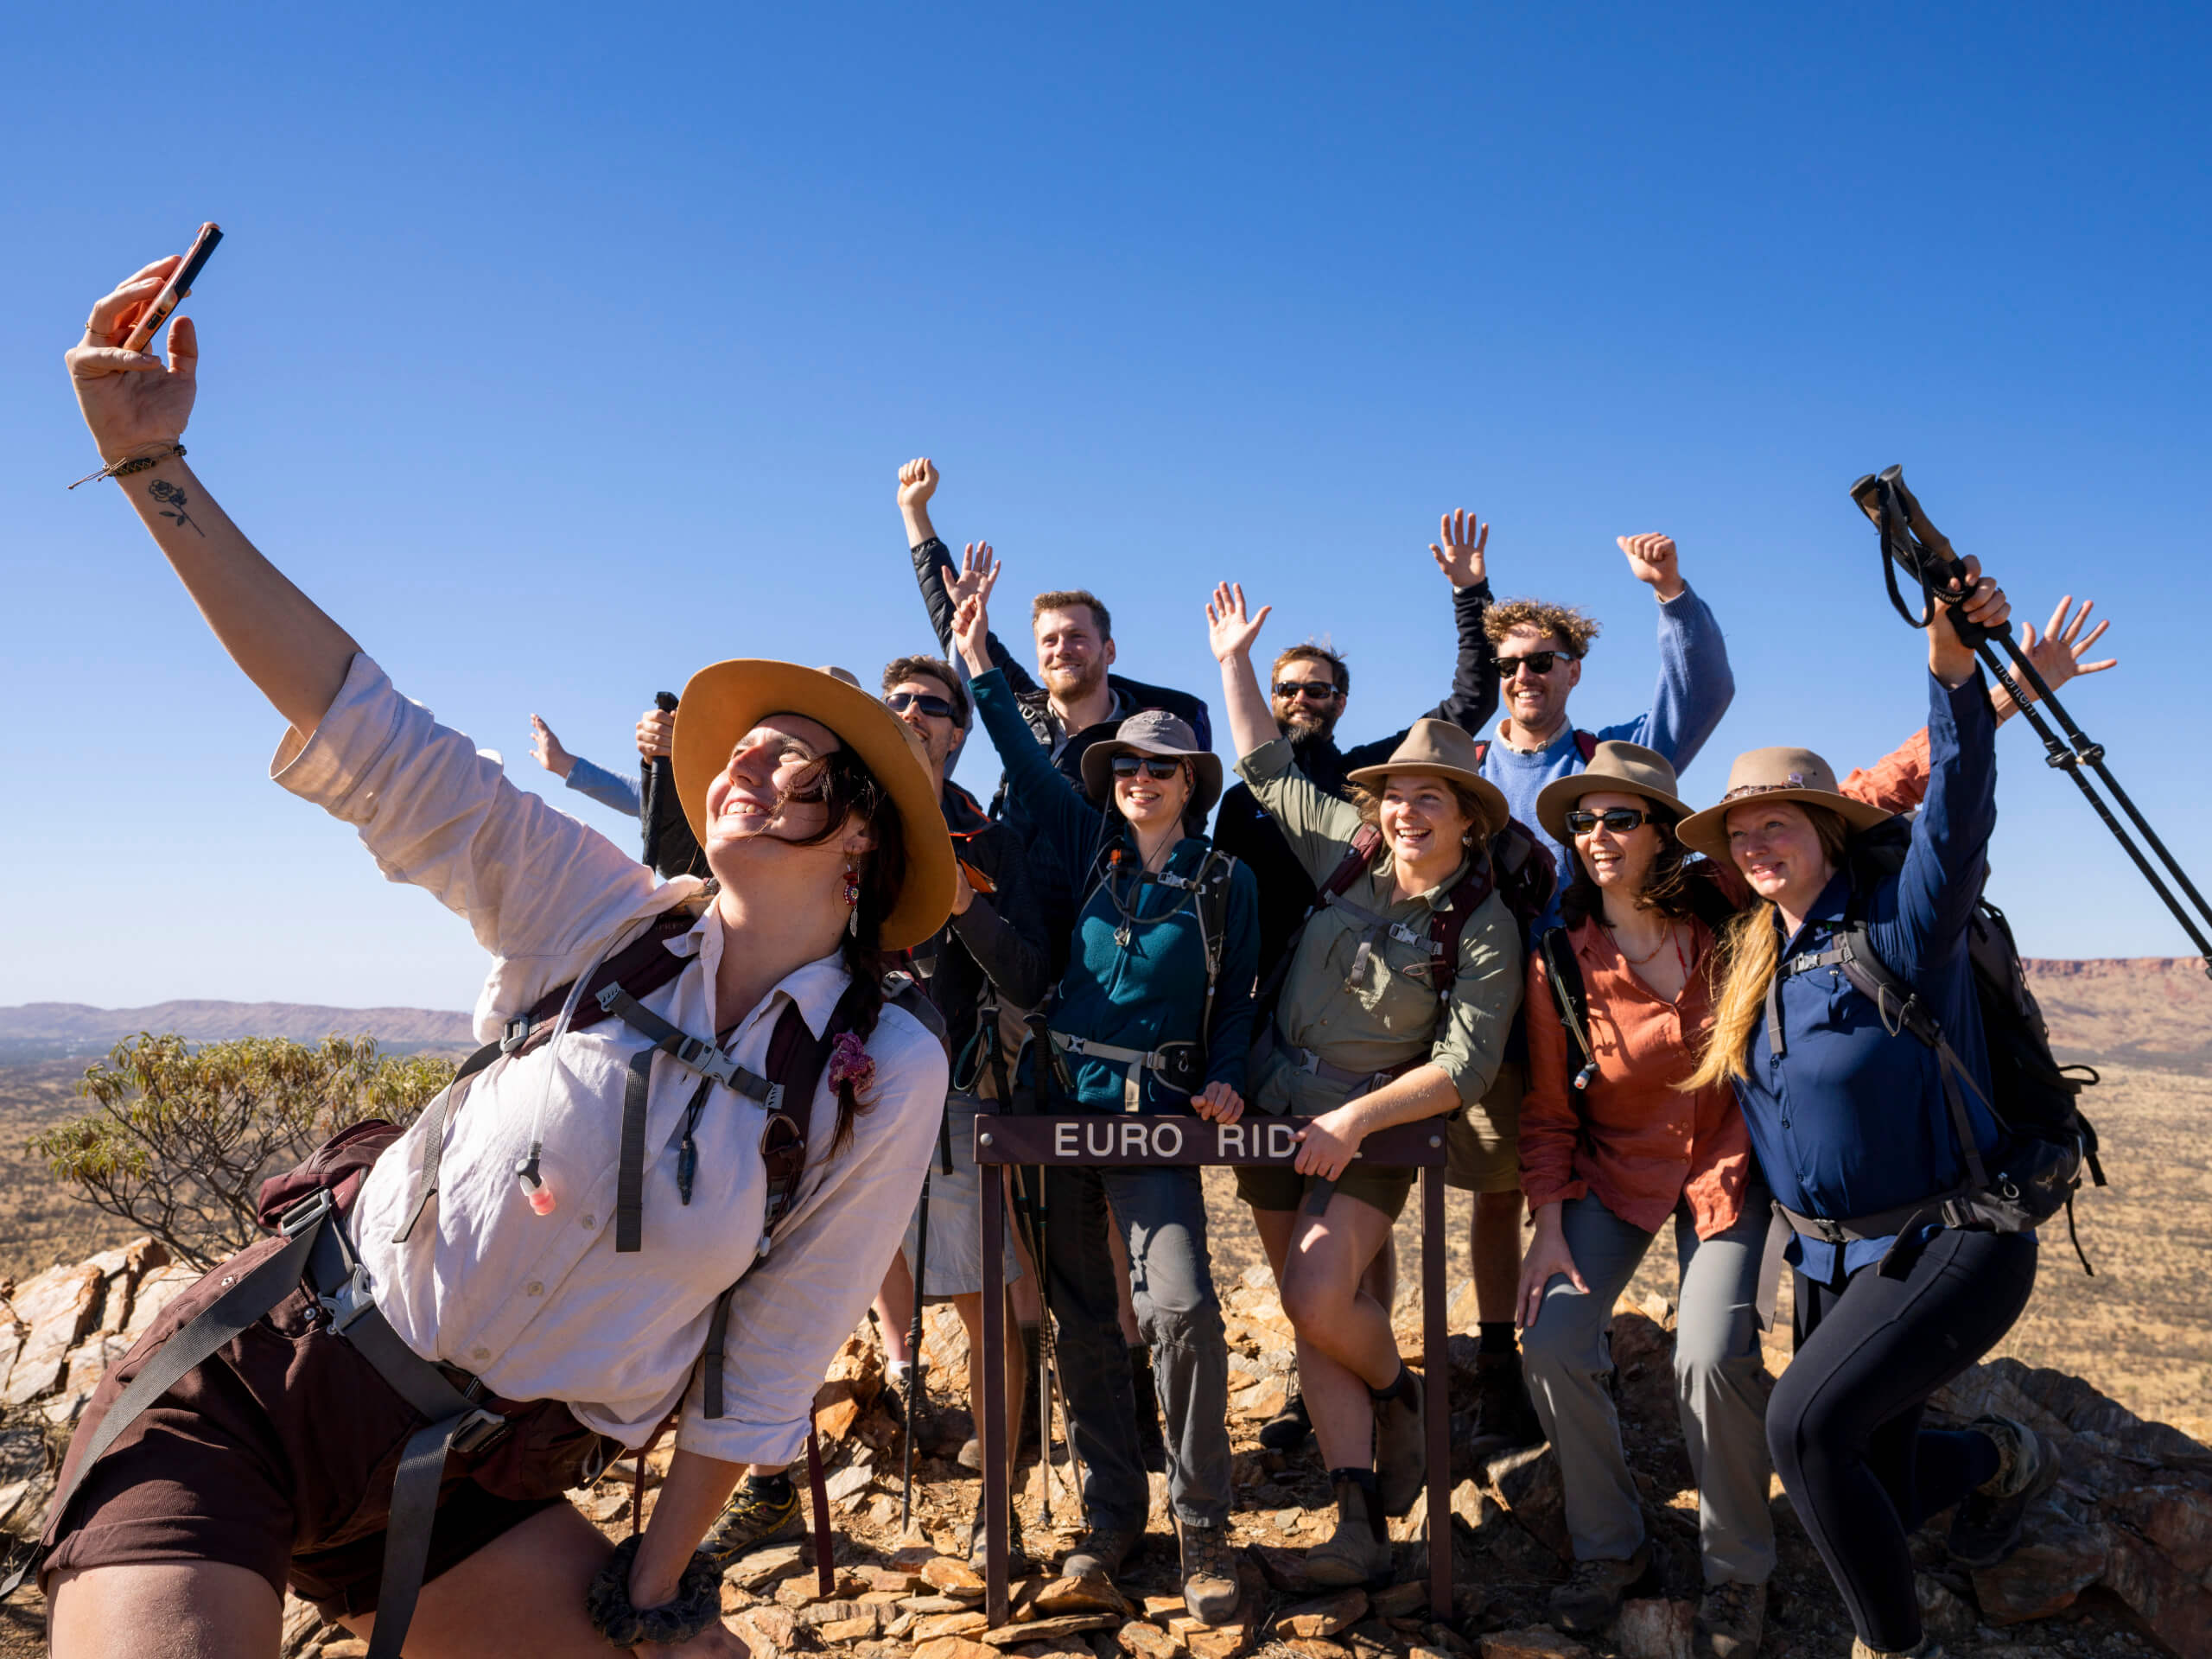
(1539, 662)
(929, 703)
(1158, 767)
(1319, 690)
(1618, 819)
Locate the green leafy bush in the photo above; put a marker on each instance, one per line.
(182, 1135)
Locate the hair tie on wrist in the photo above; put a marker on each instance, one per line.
(697, 1605)
(137, 464)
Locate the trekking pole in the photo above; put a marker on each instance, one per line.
(1909, 541)
(658, 772)
(915, 1365)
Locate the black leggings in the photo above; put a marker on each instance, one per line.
(1844, 1424)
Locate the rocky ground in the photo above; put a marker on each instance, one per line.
(2119, 1562)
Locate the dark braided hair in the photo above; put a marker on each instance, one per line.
(844, 787)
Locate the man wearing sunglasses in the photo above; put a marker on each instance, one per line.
(1539, 650)
(1309, 690)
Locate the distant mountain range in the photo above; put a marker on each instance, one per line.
(52, 1030)
(2150, 1010)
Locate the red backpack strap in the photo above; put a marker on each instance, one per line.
(1585, 744)
(1360, 852)
(1447, 922)
(1481, 750)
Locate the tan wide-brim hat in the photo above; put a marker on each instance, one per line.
(1153, 731)
(1614, 769)
(1773, 775)
(1441, 750)
(724, 701)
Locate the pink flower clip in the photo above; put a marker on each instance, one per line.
(851, 1062)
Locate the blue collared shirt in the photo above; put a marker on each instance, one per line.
(1851, 1119)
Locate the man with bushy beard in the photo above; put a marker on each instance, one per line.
(1309, 687)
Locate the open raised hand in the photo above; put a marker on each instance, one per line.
(132, 401)
(2058, 651)
(917, 482)
(1651, 561)
(545, 749)
(971, 623)
(1230, 630)
(1460, 558)
(978, 565)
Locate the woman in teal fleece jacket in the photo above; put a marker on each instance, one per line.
(1155, 1015)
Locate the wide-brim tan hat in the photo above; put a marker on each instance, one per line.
(1441, 750)
(724, 701)
(1614, 769)
(1153, 731)
(1773, 775)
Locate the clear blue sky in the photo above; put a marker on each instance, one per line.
(558, 351)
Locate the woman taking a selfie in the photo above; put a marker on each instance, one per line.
(1372, 1029)
(1153, 1014)
(574, 1245)
(1854, 1133)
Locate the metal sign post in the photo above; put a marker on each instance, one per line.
(1104, 1138)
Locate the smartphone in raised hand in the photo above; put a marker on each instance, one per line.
(175, 290)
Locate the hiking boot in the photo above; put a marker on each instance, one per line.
(1589, 1601)
(1017, 1558)
(1152, 1449)
(759, 1512)
(1731, 1618)
(1505, 1418)
(1985, 1526)
(1360, 1551)
(1288, 1429)
(1099, 1555)
(1211, 1590)
(1926, 1648)
(1400, 1445)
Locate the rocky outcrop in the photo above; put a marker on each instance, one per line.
(2117, 1557)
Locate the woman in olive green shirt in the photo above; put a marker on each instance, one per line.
(1361, 1040)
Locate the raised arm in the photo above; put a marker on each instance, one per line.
(1461, 556)
(138, 407)
(1230, 630)
(943, 584)
(1053, 803)
(1696, 683)
(1948, 855)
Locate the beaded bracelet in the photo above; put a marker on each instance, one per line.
(139, 464)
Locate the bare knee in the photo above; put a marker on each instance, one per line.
(164, 1610)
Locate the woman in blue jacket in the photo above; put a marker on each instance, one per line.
(1852, 1129)
(1155, 1015)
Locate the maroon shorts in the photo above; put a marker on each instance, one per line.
(277, 1455)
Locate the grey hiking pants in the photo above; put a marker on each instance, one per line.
(1567, 1354)
(1162, 1213)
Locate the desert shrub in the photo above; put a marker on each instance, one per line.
(182, 1135)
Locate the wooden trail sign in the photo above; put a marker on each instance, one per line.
(1091, 1138)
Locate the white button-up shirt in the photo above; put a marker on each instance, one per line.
(541, 1307)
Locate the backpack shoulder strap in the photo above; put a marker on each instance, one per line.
(1564, 973)
(1448, 924)
(1586, 744)
(1481, 750)
(639, 969)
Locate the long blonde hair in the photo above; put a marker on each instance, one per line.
(1751, 951)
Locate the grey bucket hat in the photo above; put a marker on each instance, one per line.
(1153, 731)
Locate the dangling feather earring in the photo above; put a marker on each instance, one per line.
(852, 898)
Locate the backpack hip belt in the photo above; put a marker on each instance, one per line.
(451, 1401)
(1361, 1083)
(1176, 1064)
